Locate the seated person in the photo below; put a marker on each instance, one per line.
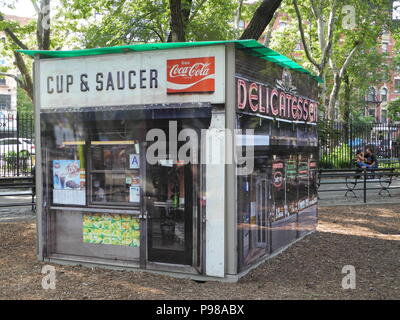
(360, 160)
(371, 159)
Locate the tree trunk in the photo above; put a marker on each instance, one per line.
(333, 96)
(238, 15)
(270, 29)
(347, 97)
(177, 26)
(43, 26)
(261, 18)
(27, 83)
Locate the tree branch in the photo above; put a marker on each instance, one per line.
(194, 13)
(260, 20)
(303, 38)
(5, 74)
(238, 14)
(13, 37)
(27, 83)
(37, 9)
(347, 61)
(326, 51)
(270, 29)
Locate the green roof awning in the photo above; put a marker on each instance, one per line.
(252, 47)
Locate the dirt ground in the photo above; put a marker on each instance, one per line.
(366, 237)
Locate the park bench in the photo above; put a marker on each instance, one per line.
(358, 179)
(389, 163)
(15, 184)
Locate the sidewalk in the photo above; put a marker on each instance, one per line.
(337, 198)
(12, 214)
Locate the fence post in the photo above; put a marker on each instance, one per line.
(365, 185)
(18, 124)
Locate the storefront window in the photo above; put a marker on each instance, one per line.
(276, 202)
(115, 172)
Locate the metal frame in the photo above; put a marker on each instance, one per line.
(41, 242)
(231, 253)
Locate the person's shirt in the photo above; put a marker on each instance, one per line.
(371, 159)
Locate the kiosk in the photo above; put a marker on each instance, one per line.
(193, 159)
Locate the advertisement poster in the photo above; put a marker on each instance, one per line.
(279, 192)
(134, 194)
(114, 229)
(68, 182)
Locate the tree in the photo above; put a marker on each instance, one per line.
(369, 68)
(261, 18)
(17, 35)
(94, 23)
(331, 33)
(394, 110)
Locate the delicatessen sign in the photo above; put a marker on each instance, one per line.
(278, 101)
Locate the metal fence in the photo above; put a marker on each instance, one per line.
(17, 147)
(339, 142)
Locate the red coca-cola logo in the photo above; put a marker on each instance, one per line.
(191, 75)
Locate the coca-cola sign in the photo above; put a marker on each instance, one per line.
(191, 75)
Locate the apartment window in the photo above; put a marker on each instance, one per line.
(383, 115)
(371, 112)
(5, 101)
(2, 81)
(385, 47)
(384, 94)
(371, 94)
(282, 25)
(397, 85)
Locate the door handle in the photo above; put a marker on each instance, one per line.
(145, 215)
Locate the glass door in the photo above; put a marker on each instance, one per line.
(169, 205)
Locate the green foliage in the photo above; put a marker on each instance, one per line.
(368, 67)
(11, 160)
(394, 110)
(339, 157)
(110, 23)
(24, 103)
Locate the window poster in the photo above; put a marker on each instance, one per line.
(68, 182)
(134, 193)
(134, 161)
(113, 229)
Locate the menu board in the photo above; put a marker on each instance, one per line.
(113, 229)
(68, 182)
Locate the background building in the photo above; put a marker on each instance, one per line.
(8, 85)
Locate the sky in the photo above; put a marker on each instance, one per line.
(23, 8)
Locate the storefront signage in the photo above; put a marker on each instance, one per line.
(277, 174)
(191, 75)
(279, 101)
(134, 78)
